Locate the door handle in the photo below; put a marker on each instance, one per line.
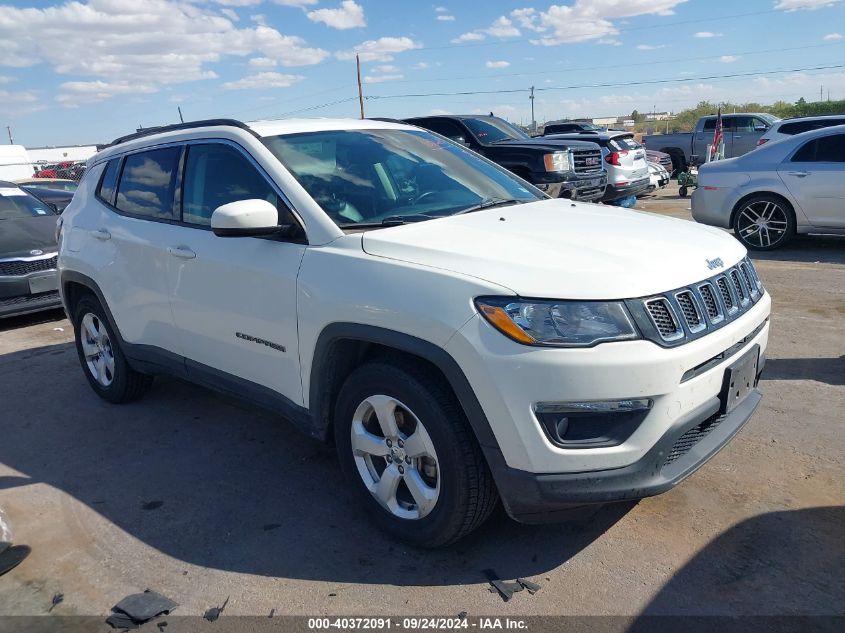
(101, 234)
(799, 174)
(183, 252)
(737, 135)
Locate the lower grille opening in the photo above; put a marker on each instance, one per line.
(44, 297)
(693, 436)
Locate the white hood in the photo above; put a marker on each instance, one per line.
(563, 250)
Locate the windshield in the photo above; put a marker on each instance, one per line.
(494, 130)
(16, 204)
(371, 177)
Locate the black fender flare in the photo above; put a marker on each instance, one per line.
(407, 343)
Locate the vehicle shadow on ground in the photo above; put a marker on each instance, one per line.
(778, 563)
(16, 322)
(827, 370)
(208, 481)
(809, 249)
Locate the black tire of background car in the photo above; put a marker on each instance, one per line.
(467, 493)
(128, 384)
(790, 222)
(682, 191)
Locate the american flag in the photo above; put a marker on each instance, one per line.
(718, 137)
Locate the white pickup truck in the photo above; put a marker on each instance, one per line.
(459, 336)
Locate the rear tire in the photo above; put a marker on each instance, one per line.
(427, 497)
(764, 223)
(682, 191)
(101, 357)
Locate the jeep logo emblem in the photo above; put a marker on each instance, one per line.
(712, 264)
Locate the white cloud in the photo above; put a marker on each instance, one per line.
(16, 102)
(499, 64)
(420, 66)
(380, 50)
(441, 10)
(832, 36)
(706, 34)
(472, 36)
(446, 18)
(586, 20)
(386, 68)
(262, 62)
(439, 112)
(528, 18)
(263, 80)
(5, 79)
(795, 5)
(377, 79)
(728, 59)
(349, 15)
(231, 14)
(296, 3)
(501, 27)
(650, 47)
(238, 3)
(74, 93)
(155, 43)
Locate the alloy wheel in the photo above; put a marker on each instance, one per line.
(97, 348)
(395, 457)
(763, 223)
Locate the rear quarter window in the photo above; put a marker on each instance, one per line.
(108, 182)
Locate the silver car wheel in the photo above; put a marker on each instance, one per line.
(96, 346)
(395, 457)
(762, 223)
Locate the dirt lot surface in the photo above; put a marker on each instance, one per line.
(201, 498)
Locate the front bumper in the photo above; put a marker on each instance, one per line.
(588, 189)
(533, 498)
(28, 292)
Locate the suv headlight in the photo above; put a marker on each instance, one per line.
(559, 161)
(558, 323)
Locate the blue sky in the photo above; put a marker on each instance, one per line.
(90, 70)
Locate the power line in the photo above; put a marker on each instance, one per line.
(609, 84)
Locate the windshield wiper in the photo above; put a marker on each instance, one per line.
(392, 220)
(489, 203)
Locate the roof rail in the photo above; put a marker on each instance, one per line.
(181, 126)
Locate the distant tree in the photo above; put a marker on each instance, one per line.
(801, 102)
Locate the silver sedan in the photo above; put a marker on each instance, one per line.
(796, 185)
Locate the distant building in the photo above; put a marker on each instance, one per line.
(659, 116)
(606, 120)
(59, 154)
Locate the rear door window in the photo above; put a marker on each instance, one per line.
(147, 183)
(827, 149)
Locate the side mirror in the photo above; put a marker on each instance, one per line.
(460, 139)
(245, 218)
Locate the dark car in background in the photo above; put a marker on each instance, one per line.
(28, 248)
(57, 199)
(62, 184)
(562, 168)
(570, 127)
(661, 158)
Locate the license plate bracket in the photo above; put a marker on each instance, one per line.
(43, 283)
(740, 379)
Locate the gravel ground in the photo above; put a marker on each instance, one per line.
(202, 498)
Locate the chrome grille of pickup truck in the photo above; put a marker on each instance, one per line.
(587, 160)
(687, 313)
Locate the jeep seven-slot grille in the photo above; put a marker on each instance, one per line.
(587, 160)
(727, 297)
(17, 267)
(661, 314)
(687, 313)
(710, 303)
(694, 320)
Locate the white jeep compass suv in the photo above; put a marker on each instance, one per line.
(459, 336)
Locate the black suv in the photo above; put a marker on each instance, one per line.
(563, 169)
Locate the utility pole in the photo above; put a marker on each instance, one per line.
(9, 130)
(533, 121)
(360, 90)
(180, 114)
(821, 93)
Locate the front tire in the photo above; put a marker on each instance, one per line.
(405, 444)
(682, 191)
(101, 357)
(764, 223)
